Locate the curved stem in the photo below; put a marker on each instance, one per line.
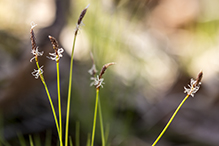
(50, 101)
(69, 92)
(95, 117)
(171, 119)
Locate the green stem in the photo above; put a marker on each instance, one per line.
(95, 117)
(101, 121)
(59, 99)
(69, 92)
(171, 119)
(77, 134)
(31, 140)
(50, 101)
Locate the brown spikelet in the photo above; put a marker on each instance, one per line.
(82, 15)
(54, 43)
(104, 68)
(199, 78)
(33, 39)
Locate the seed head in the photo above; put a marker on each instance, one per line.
(194, 85)
(54, 43)
(105, 67)
(82, 15)
(80, 19)
(32, 36)
(58, 51)
(93, 69)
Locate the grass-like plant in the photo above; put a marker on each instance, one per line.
(98, 82)
(193, 88)
(39, 73)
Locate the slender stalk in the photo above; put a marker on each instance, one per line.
(101, 120)
(50, 101)
(77, 134)
(95, 117)
(69, 92)
(59, 99)
(171, 119)
(31, 140)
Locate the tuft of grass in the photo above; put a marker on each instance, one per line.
(39, 73)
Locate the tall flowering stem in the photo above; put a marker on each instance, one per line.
(193, 88)
(98, 82)
(70, 73)
(56, 56)
(39, 73)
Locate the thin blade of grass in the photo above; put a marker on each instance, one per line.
(77, 134)
(48, 138)
(88, 140)
(21, 139)
(70, 141)
(31, 140)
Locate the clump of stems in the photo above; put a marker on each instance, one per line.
(98, 82)
(193, 88)
(39, 73)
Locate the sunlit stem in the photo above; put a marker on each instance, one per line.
(95, 117)
(170, 121)
(101, 120)
(50, 100)
(59, 99)
(69, 92)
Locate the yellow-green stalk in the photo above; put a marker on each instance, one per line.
(193, 88)
(70, 74)
(98, 82)
(39, 73)
(56, 56)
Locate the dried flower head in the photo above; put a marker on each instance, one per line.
(34, 50)
(194, 85)
(105, 67)
(32, 36)
(58, 51)
(98, 81)
(38, 72)
(80, 19)
(93, 69)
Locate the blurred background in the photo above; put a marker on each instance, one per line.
(158, 46)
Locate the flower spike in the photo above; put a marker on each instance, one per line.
(194, 85)
(58, 51)
(34, 50)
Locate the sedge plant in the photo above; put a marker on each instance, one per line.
(98, 82)
(193, 88)
(39, 73)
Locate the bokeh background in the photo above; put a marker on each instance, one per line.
(158, 46)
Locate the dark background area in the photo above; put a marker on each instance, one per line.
(158, 46)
